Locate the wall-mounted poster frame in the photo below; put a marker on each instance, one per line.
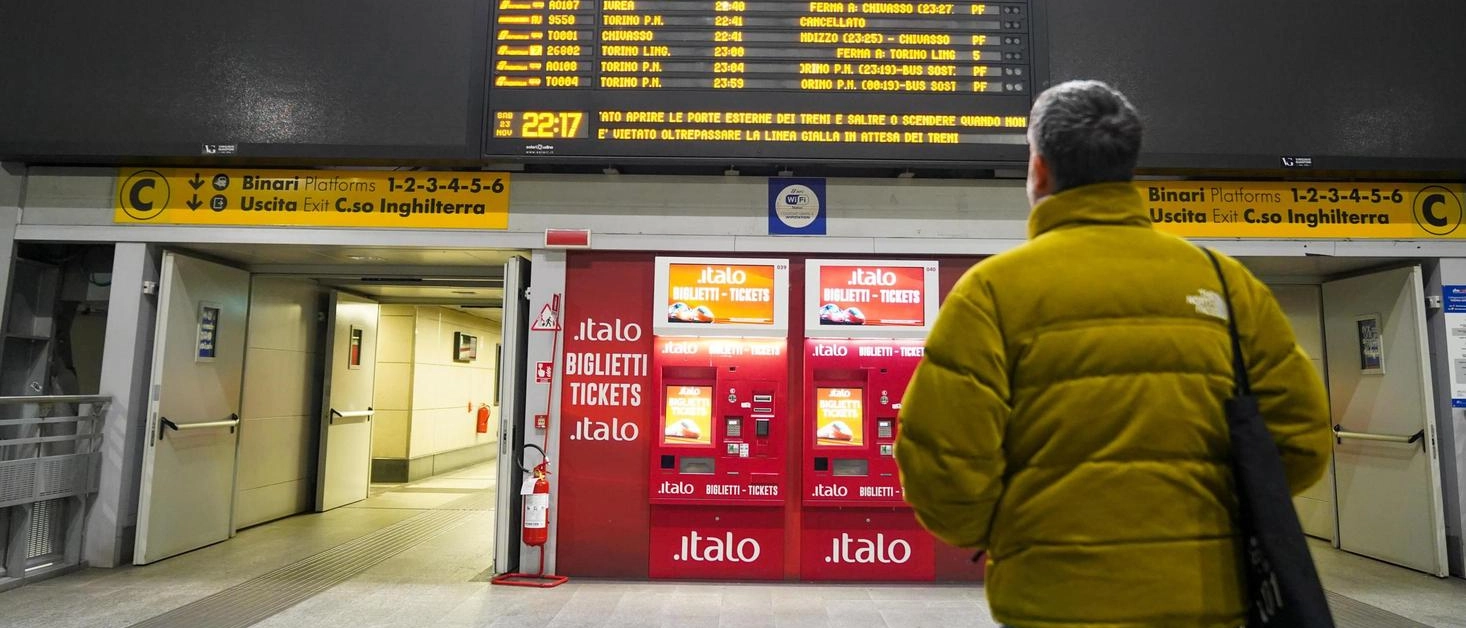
(1370, 331)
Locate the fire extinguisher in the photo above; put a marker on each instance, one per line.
(482, 426)
(536, 514)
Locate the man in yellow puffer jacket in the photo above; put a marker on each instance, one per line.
(1068, 417)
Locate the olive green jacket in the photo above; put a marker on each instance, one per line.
(1068, 419)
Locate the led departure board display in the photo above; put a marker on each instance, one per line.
(774, 80)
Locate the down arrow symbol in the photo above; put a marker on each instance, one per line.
(194, 203)
(196, 181)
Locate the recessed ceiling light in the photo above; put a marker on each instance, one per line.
(366, 258)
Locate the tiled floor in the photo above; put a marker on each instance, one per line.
(438, 582)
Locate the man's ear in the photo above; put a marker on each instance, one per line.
(1040, 178)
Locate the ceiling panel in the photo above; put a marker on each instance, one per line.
(435, 293)
(255, 255)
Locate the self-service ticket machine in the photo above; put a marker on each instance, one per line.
(865, 323)
(720, 370)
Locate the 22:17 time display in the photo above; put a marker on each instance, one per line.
(540, 124)
(1334, 195)
(433, 184)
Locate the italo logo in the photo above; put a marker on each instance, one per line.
(610, 431)
(679, 348)
(877, 277)
(861, 551)
(726, 275)
(715, 549)
(831, 351)
(601, 331)
(825, 490)
(675, 488)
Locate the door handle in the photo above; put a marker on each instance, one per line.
(1340, 434)
(164, 424)
(355, 414)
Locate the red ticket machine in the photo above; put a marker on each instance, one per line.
(866, 323)
(720, 370)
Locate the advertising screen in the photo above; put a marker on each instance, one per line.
(855, 295)
(712, 294)
(839, 417)
(689, 416)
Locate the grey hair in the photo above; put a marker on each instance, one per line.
(1087, 132)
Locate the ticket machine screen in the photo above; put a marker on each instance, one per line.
(688, 419)
(839, 417)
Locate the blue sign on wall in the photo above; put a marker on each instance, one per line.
(797, 206)
(208, 336)
(1454, 298)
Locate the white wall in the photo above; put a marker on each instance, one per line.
(1450, 421)
(446, 394)
(1303, 305)
(281, 400)
(392, 394)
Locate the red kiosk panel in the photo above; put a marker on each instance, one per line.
(870, 545)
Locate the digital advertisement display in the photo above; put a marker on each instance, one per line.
(856, 295)
(711, 294)
(839, 417)
(689, 416)
(870, 298)
(885, 81)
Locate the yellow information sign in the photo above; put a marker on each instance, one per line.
(313, 198)
(1249, 209)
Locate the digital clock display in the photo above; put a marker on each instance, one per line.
(540, 124)
(761, 79)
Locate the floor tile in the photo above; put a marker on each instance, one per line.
(432, 585)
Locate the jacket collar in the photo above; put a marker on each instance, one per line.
(1098, 204)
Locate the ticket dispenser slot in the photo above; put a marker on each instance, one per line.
(696, 465)
(852, 467)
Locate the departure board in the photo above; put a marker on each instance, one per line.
(773, 80)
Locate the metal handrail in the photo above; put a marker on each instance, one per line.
(1340, 434)
(354, 414)
(45, 399)
(165, 424)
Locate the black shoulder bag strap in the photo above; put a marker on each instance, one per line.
(1281, 583)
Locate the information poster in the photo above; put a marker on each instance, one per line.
(208, 334)
(708, 294)
(689, 417)
(1371, 345)
(1455, 313)
(839, 417)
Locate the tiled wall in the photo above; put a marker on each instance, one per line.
(393, 390)
(427, 403)
(277, 438)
